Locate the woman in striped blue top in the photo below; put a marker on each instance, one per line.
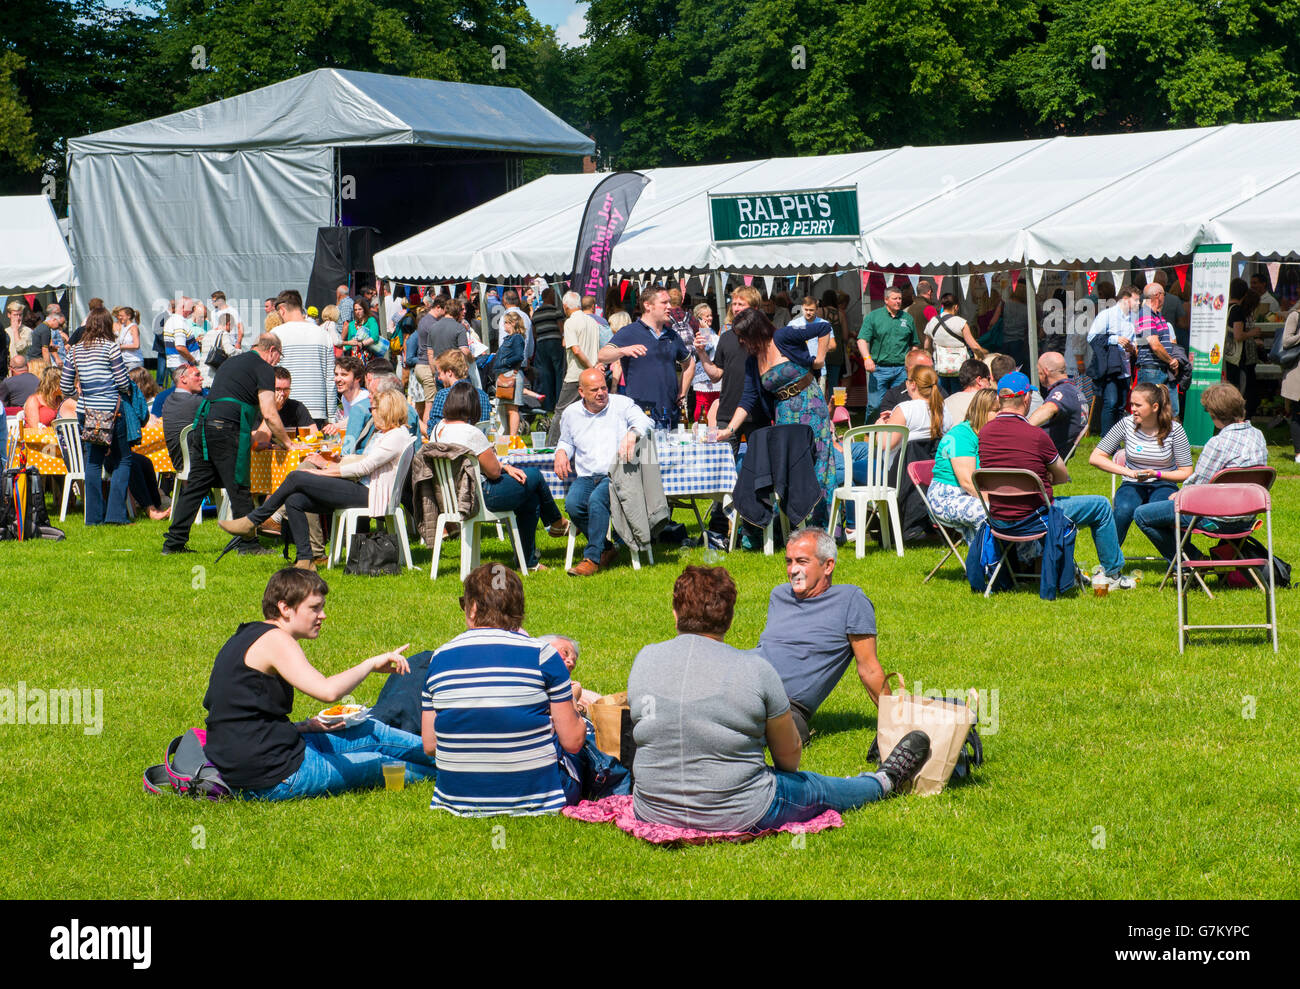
(1157, 456)
(95, 370)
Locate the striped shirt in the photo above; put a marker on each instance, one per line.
(492, 692)
(178, 333)
(307, 353)
(101, 373)
(1143, 451)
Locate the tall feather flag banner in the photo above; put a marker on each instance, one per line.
(603, 222)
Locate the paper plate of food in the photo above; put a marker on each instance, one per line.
(344, 714)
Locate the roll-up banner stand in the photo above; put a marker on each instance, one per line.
(1211, 276)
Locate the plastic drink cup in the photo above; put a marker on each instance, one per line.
(502, 445)
(394, 775)
(1100, 585)
(539, 440)
(840, 395)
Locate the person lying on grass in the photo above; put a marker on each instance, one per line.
(261, 754)
(702, 713)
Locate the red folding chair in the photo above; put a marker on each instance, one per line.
(1023, 485)
(1217, 501)
(1263, 476)
(922, 474)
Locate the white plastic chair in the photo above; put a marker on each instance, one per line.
(345, 520)
(609, 536)
(445, 477)
(880, 491)
(69, 433)
(223, 511)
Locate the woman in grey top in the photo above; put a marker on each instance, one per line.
(702, 714)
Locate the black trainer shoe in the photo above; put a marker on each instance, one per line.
(909, 755)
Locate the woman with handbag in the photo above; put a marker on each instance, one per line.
(218, 344)
(953, 343)
(509, 368)
(95, 363)
(369, 340)
(358, 481)
(505, 487)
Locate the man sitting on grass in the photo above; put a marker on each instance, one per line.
(1237, 444)
(815, 629)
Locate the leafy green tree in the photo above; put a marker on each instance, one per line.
(17, 139)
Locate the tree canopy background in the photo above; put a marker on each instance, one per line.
(662, 82)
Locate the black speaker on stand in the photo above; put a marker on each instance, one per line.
(341, 254)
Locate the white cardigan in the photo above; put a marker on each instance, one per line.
(377, 467)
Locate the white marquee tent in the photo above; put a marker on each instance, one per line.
(33, 254)
(1038, 202)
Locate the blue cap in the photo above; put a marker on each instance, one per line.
(1014, 383)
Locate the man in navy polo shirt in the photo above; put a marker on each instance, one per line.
(650, 354)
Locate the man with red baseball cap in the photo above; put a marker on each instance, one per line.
(1010, 442)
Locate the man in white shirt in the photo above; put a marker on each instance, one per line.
(1118, 324)
(178, 333)
(306, 350)
(1267, 302)
(581, 344)
(220, 306)
(594, 433)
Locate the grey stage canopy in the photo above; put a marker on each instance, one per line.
(230, 195)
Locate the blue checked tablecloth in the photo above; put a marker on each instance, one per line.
(693, 470)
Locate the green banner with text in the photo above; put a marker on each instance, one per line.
(810, 214)
(1211, 275)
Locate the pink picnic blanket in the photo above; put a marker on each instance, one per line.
(618, 810)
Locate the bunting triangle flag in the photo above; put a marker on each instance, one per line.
(865, 277)
(988, 282)
(1180, 270)
(1092, 280)
(749, 279)
(767, 283)
(1241, 269)
(622, 288)
(1015, 278)
(938, 284)
(1150, 274)
(915, 280)
(681, 285)
(704, 284)
(1117, 277)
(1274, 268)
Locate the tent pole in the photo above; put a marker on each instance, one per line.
(484, 323)
(720, 296)
(1031, 296)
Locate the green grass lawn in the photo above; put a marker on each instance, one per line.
(1118, 768)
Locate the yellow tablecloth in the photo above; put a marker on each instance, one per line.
(269, 468)
(42, 445)
(154, 446)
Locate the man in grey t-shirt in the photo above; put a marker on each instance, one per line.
(814, 629)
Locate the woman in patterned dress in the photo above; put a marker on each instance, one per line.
(781, 376)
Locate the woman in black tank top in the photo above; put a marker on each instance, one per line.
(260, 753)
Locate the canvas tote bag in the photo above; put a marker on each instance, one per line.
(947, 725)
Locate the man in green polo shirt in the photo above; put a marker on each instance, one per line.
(884, 340)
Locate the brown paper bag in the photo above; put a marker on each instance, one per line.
(946, 724)
(608, 715)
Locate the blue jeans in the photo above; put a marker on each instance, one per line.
(116, 460)
(1094, 511)
(350, 759)
(528, 501)
(1157, 376)
(802, 796)
(1129, 497)
(1113, 395)
(1156, 520)
(880, 381)
(588, 505)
